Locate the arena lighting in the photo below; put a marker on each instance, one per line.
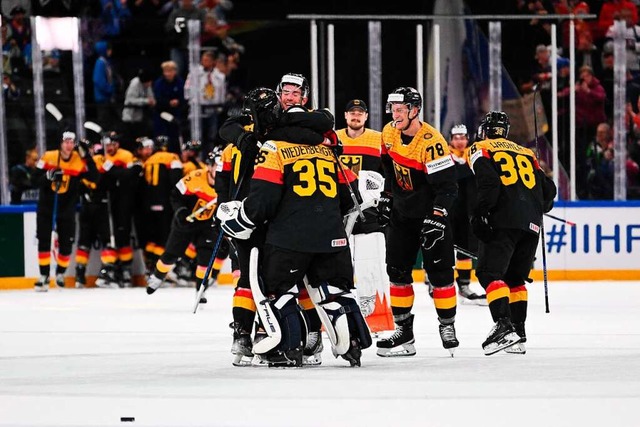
(57, 33)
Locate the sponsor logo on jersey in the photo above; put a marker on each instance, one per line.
(269, 146)
(338, 243)
(533, 227)
(439, 164)
(403, 177)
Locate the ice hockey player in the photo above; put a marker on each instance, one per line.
(189, 156)
(191, 193)
(262, 115)
(361, 152)
(116, 180)
(513, 193)
(300, 191)
(461, 213)
(162, 171)
(420, 185)
(59, 174)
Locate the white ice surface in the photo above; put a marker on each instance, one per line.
(88, 357)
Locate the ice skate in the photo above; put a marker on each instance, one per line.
(354, 354)
(153, 283)
(241, 347)
(42, 285)
(284, 359)
(312, 353)
(107, 278)
(126, 276)
(501, 336)
(518, 348)
(448, 337)
(60, 280)
(468, 296)
(400, 343)
(81, 277)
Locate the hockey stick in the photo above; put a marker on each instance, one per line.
(544, 249)
(54, 111)
(346, 180)
(93, 127)
(463, 251)
(216, 247)
(565, 221)
(112, 239)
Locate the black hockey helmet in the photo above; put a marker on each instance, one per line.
(263, 105)
(404, 95)
(193, 145)
(161, 143)
(495, 124)
(294, 79)
(110, 137)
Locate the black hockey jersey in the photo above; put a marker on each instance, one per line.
(301, 192)
(512, 188)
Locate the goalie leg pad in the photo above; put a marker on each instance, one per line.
(340, 316)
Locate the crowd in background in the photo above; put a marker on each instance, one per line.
(130, 77)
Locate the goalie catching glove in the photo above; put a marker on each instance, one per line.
(234, 221)
(433, 228)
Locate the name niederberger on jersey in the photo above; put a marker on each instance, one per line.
(301, 150)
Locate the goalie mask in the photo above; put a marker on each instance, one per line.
(494, 125)
(263, 105)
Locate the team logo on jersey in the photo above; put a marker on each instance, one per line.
(206, 214)
(352, 162)
(403, 177)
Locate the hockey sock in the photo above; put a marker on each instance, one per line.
(304, 300)
(190, 252)
(125, 255)
(244, 308)
(498, 299)
(518, 298)
(108, 256)
(463, 267)
(162, 269)
(444, 299)
(44, 262)
(402, 297)
(82, 256)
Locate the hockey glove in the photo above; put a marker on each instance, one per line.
(433, 228)
(332, 141)
(83, 148)
(385, 204)
(234, 221)
(180, 218)
(55, 175)
(481, 227)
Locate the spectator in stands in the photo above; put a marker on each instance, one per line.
(590, 97)
(21, 185)
(20, 27)
(605, 76)
(610, 10)
(115, 15)
(632, 37)
(217, 8)
(212, 92)
(600, 164)
(138, 101)
(104, 87)
(178, 30)
(587, 54)
(10, 90)
(168, 91)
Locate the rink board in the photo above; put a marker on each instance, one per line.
(603, 245)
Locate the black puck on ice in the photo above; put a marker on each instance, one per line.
(127, 419)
